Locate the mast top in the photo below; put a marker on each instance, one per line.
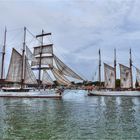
(99, 68)
(5, 29)
(43, 34)
(130, 57)
(3, 53)
(99, 57)
(115, 57)
(4, 41)
(24, 40)
(99, 51)
(131, 68)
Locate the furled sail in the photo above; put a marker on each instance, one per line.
(45, 60)
(45, 49)
(109, 76)
(15, 67)
(125, 76)
(61, 79)
(138, 76)
(29, 75)
(29, 54)
(46, 79)
(65, 70)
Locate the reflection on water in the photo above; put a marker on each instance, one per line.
(76, 116)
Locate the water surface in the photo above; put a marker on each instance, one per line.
(74, 117)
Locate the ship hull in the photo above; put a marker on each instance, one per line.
(114, 93)
(15, 90)
(29, 95)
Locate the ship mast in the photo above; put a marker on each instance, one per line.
(131, 68)
(115, 65)
(40, 55)
(99, 69)
(3, 54)
(23, 58)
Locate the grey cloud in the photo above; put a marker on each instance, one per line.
(79, 27)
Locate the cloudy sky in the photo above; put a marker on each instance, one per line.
(79, 28)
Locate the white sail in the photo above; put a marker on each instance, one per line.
(29, 75)
(46, 79)
(61, 79)
(125, 76)
(109, 73)
(45, 49)
(138, 76)
(45, 60)
(65, 70)
(30, 55)
(15, 67)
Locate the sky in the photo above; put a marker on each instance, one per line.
(79, 28)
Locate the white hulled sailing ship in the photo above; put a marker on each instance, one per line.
(126, 80)
(20, 72)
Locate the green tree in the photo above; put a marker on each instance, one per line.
(117, 83)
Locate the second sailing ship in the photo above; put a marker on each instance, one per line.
(126, 80)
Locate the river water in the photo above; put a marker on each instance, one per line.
(74, 117)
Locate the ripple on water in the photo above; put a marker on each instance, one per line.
(76, 116)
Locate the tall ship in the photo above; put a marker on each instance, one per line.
(20, 76)
(109, 87)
